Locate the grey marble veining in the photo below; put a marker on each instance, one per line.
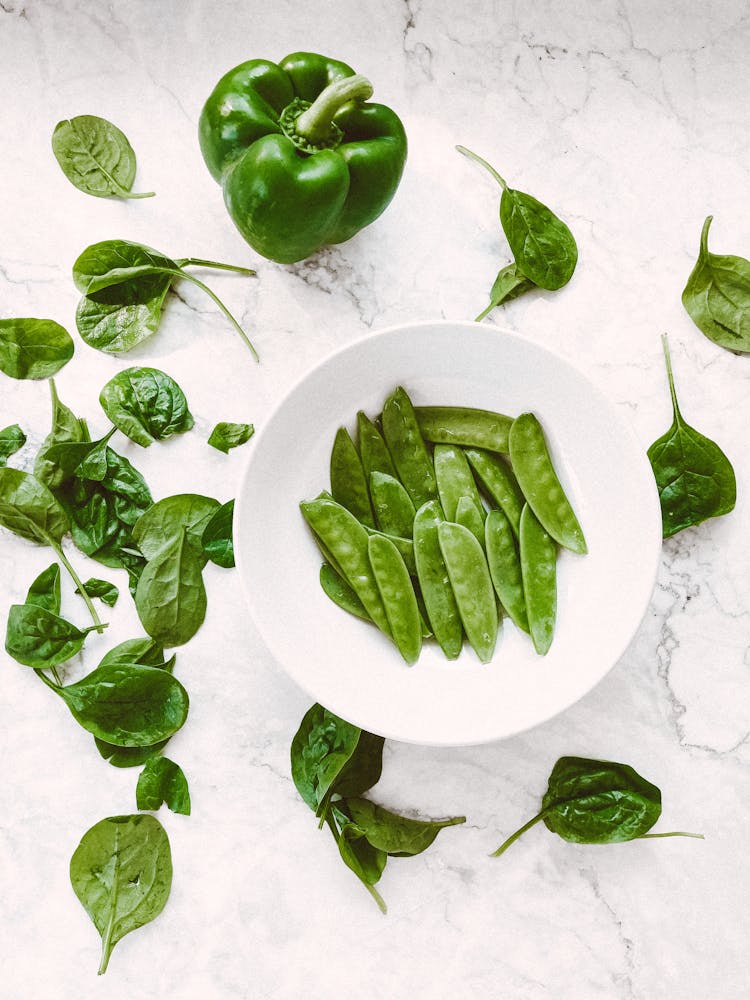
(629, 119)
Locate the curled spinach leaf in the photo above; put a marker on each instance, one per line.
(358, 854)
(163, 781)
(96, 157)
(122, 873)
(226, 436)
(170, 597)
(12, 439)
(217, 540)
(33, 348)
(44, 592)
(694, 477)
(398, 836)
(508, 285)
(106, 592)
(717, 296)
(146, 405)
(66, 427)
(39, 638)
(597, 802)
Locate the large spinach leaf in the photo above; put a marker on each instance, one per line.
(12, 439)
(163, 781)
(694, 477)
(167, 519)
(33, 348)
(96, 157)
(39, 638)
(170, 597)
(122, 873)
(717, 296)
(146, 405)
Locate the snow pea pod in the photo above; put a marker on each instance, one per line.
(454, 478)
(467, 514)
(470, 580)
(398, 596)
(539, 573)
(497, 479)
(407, 448)
(394, 510)
(348, 483)
(346, 539)
(404, 545)
(537, 478)
(437, 593)
(372, 448)
(505, 567)
(464, 425)
(341, 593)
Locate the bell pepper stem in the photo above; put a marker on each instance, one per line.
(314, 124)
(478, 159)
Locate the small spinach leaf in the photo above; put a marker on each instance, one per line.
(170, 597)
(106, 592)
(367, 862)
(96, 157)
(44, 592)
(144, 651)
(397, 835)
(226, 436)
(12, 439)
(39, 638)
(33, 348)
(717, 296)
(122, 873)
(146, 405)
(217, 539)
(163, 781)
(694, 477)
(66, 427)
(596, 802)
(508, 285)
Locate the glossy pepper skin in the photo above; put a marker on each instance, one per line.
(294, 182)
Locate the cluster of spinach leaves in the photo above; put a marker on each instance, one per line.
(544, 249)
(333, 764)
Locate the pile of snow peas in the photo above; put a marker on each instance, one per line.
(442, 518)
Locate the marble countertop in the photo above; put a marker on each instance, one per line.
(627, 118)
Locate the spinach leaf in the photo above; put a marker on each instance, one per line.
(122, 873)
(12, 439)
(170, 597)
(508, 285)
(67, 457)
(363, 768)
(96, 157)
(694, 477)
(321, 749)
(226, 436)
(39, 638)
(717, 296)
(544, 249)
(163, 781)
(28, 509)
(65, 427)
(217, 540)
(167, 519)
(146, 405)
(597, 802)
(125, 316)
(33, 348)
(398, 836)
(367, 862)
(127, 704)
(44, 592)
(106, 592)
(128, 756)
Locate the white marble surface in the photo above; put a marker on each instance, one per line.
(629, 118)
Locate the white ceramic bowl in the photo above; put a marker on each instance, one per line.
(346, 664)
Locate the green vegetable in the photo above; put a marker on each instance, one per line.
(226, 436)
(717, 296)
(44, 592)
(597, 802)
(303, 162)
(349, 486)
(454, 479)
(694, 477)
(167, 519)
(393, 508)
(12, 439)
(124, 285)
(464, 425)
(217, 539)
(146, 405)
(122, 873)
(499, 483)
(437, 593)
(358, 854)
(39, 638)
(170, 597)
(396, 835)
(106, 592)
(162, 781)
(538, 557)
(96, 157)
(472, 587)
(66, 427)
(538, 480)
(372, 449)
(33, 348)
(509, 284)
(397, 593)
(341, 593)
(144, 651)
(505, 566)
(471, 515)
(128, 756)
(408, 451)
(544, 249)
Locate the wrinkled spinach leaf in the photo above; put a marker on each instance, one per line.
(163, 781)
(120, 317)
(226, 436)
(39, 638)
(170, 597)
(146, 405)
(44, 592)
(694, 477)
(106, 592)
(217, 540)
(96, 157)
(167, 519)
(597, 802)
(122, 873)
(12, 439)
(717, 296)
(397, 835)
(33, 348)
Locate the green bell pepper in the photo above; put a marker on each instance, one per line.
(303, 161)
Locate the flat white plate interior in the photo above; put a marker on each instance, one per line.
(347, 665)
